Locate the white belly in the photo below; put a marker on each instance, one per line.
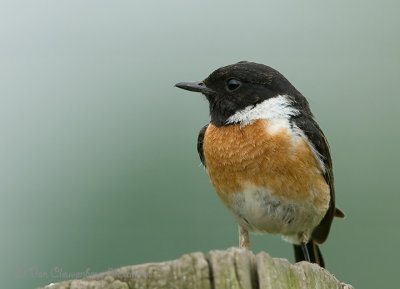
(258, 210)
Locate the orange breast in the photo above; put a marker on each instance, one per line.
(237, 156)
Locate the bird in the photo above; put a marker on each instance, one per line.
(267, 157)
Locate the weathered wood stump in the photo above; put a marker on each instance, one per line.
(233, 268)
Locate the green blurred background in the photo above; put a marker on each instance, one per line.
(99, 167)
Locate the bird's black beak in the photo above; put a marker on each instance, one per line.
(193, 86)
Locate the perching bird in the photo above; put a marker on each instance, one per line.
(266, 156)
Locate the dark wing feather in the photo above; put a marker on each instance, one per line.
(315, 135)
(200, 140)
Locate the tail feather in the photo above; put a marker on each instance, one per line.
(313, 251)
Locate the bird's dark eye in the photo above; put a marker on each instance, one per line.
(233, 84)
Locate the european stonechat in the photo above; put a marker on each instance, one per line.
(267, 157)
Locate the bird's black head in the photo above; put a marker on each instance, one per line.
(234, 87)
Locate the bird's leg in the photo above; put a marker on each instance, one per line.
(305, 251)
(244, 240)
(303, 238)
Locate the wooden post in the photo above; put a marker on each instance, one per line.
(232, 268)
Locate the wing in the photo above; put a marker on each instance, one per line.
(200, 140)
(315, 135)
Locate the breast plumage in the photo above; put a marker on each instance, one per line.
(268, 176)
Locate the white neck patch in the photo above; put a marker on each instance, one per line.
(275, 108)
